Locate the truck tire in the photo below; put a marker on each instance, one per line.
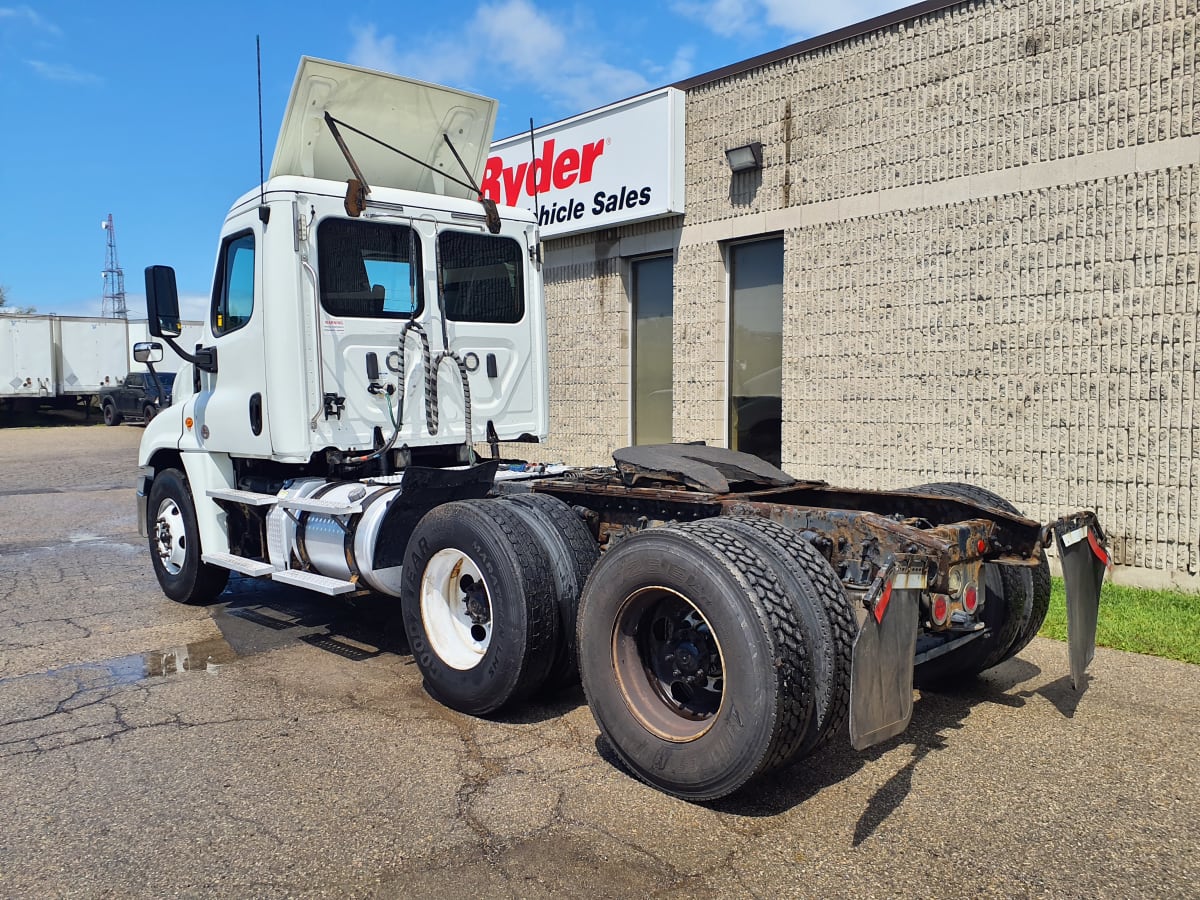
(1024, 594)
(1039, 605)
(822, 605)
(148, 412)
(572, 552)
(110, 414)
(695, 665)
(477, 600)
(175, 542)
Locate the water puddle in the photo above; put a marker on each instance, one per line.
(210, 655)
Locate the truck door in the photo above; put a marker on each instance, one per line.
(230, 411)
(130, 396)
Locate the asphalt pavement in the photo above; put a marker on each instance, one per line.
(274, 745)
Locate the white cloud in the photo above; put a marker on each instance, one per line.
(192, 307)
(62, 72)
(30, 17)
(727, 18)
(682, 65)
(438, 60)
(810, 18)
(795, 18)
(509, 41)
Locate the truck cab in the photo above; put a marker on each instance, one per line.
(357, 325)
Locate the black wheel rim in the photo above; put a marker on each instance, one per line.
(668, 664)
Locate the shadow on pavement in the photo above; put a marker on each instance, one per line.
(936, 715)
(47, 418)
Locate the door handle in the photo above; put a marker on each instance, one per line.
(256, 414)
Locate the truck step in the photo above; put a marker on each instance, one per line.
(317, 505)
(314, 582)
(246, 498)
(242, 564)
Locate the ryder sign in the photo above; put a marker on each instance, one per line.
(622, 163)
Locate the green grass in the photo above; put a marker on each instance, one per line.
(1158, 623)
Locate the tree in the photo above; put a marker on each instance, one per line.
(5, 308)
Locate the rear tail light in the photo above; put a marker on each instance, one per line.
(939, 609)
(970, 599)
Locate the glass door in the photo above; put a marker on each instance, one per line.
(652, 321)
(756, 348)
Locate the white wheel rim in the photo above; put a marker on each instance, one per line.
(458, 621)
(170, 537)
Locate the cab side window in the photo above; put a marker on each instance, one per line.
(233, 292)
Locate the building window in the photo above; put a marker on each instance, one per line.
(653, 283)
(756, 348)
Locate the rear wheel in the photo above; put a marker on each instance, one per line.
(695, 665)
(175, 542)
(572, 551)
(822, 606)
(111, 416)
(1015, 604)
(477, 602)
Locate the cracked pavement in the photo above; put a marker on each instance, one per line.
(268, 746)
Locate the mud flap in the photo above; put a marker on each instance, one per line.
(881, 673)
(1084, 559)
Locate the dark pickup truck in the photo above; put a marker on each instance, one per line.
(137, 398)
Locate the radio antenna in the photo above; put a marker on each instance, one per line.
(532, 161)
(537, 209)
(264, 211)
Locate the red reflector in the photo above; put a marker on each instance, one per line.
(881, 604)
(970, 599)
(982, 546)
(1098, 550)
(941, 609)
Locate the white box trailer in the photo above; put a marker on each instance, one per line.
(90, 353)
(26, 359)
(64, 361)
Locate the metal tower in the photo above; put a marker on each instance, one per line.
(114, 277)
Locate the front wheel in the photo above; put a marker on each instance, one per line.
(148, 412)
(175, 542)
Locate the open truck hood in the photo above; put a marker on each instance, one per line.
(410, 115)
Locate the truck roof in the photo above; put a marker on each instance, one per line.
(417, 201)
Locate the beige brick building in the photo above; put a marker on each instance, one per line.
(989, 221)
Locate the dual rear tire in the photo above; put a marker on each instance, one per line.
(1016, 599)
(488, 598)
(710, 653)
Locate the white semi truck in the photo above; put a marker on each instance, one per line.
(374, 321)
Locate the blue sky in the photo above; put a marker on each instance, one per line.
(148, 111)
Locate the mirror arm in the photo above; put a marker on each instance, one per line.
(204, 359)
